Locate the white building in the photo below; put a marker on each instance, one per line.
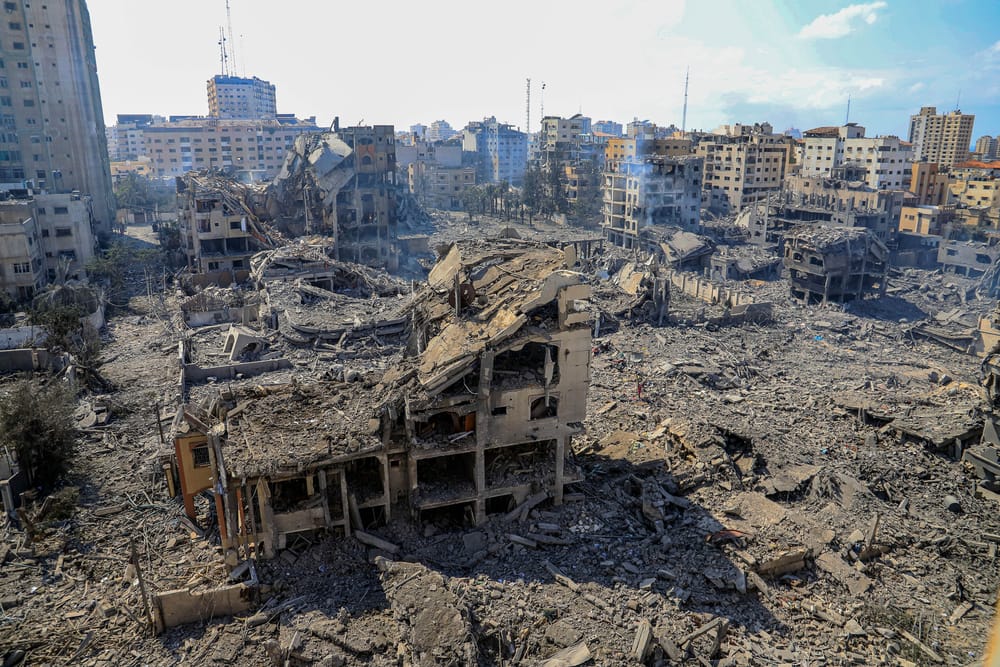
(885, 160)
(235, 97)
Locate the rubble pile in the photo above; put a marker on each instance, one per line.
(719, 492)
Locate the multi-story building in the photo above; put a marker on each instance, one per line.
(52, 134)
(21, 270)
(235, 97)
(253, 147)
(626, 148)
(501, 150)
(929, 183)
(439, 186)
(941, 138)
(44, 238)
(440, 130)
(988, 147)
(840, 200)
(608, 127)
(885, 160)
(561, 139)
(214, 229)
(925, 220)
(742, 165)
(651, 190)
(125, 136)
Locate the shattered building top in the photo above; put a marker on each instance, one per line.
(837, 240)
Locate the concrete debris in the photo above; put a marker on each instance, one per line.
(552, 451)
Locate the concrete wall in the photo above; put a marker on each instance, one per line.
(193, 373)
(26, 360)
(707, 291)
(177, 607)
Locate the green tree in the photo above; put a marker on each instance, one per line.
(532, 191)
(37, 422)
(555, 188)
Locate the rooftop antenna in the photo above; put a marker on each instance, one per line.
(847, 116)
(527, 107)
(543, 100)
(232, 43)
(684, 114)
(223, 56)
(958, 100)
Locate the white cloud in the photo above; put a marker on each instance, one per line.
(917, 87)
(841, 23)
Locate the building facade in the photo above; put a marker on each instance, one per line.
(941, 138)
(234, 97)
(655, 190)
(254, 147)
(501, 150)
(885, 160)
(45, 238)
(988, 147)
(742, 166)
(52, 136)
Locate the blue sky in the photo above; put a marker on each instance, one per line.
(789, 63)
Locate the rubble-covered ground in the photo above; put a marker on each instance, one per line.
(749, 500)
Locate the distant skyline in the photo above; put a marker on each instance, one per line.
(788, 62)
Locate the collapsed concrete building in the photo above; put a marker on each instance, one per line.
(843, 200)
(452, 403)
(835, 264)
(342, 184)
(219, 231)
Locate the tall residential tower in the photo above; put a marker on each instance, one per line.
(52, 135)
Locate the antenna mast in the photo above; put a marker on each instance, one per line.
(543, 101)
(223, 56)
(847, 116)
(232, 43)
(684, 115)
(527, 108)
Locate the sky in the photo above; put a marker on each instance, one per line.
(793, 63)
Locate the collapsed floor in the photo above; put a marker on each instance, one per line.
(754, 494)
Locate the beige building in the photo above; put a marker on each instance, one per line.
(655, 190)
(929, 183)
(924, 219)
(235, 97)
(52, 134)
(941, 138)
(988, 147)
(215, 232)
(21, 269)
(621, 149)
(59, 234)
(253, 147)
(438, 186)
(742, 166)
(885, 160)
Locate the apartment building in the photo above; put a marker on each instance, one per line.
(987, 147)
(440, 186)
(255, 148)
(654, 190)
(627, 148)
(234, 97)
(214, 229)
(742, 165)
(885, 160)
(440, 130)
(21, 269)
(929, 183)
(608, 127)
(45, 238)
(501, 150)
(941, 138)
(52, 135)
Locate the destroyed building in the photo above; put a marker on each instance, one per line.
(217, 229)
(342, 184)
(651, 191)
(835, 264)
(466, 407)
(843, 200)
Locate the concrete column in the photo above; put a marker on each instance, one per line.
(557, 491)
